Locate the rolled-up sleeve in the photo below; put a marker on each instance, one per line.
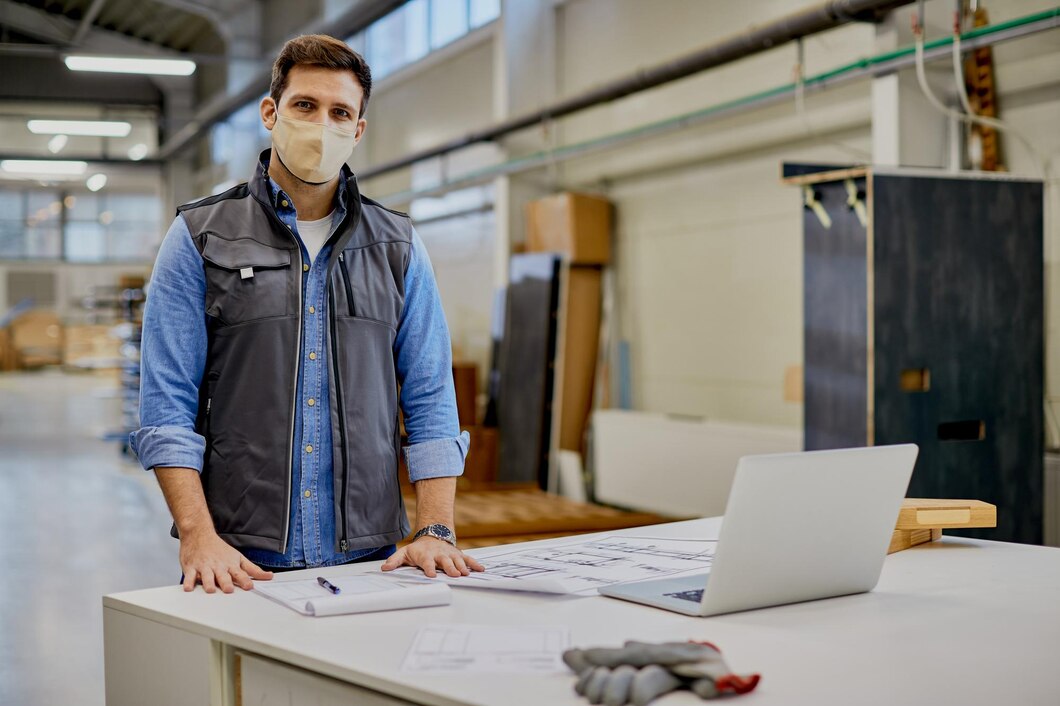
(437, 448)
(172, 356)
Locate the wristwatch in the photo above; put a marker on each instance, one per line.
(438, 531)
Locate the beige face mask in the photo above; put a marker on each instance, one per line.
(311, 151)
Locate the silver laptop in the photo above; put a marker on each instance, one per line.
(797, 527)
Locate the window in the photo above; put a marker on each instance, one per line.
(417, 28)
(29, 224)
(112, 227)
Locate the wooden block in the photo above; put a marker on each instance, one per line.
(906, 539)
(577, 225)
(922, 513)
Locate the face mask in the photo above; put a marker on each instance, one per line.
(311, 151)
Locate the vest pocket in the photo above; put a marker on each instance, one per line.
(245, 279)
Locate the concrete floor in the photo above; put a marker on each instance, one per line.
(77, 521)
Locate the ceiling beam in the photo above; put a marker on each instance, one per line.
(86, 22)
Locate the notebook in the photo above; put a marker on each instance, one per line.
(358, 594)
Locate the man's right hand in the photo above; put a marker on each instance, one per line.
(207, 559)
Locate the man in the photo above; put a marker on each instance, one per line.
(287, 319)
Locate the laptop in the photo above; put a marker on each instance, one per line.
(797, 527)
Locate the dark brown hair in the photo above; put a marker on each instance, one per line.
(320, 50)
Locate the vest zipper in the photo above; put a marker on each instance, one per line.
(294, 402)
(344, 545)
(349, 287)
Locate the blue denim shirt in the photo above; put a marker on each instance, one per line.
(173, 359)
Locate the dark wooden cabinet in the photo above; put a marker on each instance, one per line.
(923, 301)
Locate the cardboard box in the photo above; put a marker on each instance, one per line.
(465, 379)
(577, 225)
(37, 337)
(7, 351)
(581, 340)
(91, 347)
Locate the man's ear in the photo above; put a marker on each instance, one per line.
(362, 125)
(268, 112)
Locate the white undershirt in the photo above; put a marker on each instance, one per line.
(314, 234)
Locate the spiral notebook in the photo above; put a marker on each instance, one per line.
(358, 594)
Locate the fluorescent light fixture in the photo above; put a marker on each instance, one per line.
(48, 167)
(138, 152)
(56, 144)
(91, 128)
(96, 182)
(131, 65)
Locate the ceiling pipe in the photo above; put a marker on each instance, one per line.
(757, 39)
(350, 22)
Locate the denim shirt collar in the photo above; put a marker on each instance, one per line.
(276, 195)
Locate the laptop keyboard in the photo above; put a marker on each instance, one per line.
(695, 596)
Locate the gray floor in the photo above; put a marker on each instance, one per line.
(77, 521)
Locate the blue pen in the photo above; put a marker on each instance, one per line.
(328, 585)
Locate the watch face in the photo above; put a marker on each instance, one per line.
(440, 531)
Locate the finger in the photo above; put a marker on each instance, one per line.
(458, 560)
(224, 579)
(240, 578)
(394, 560)
(473, 563)
(428, 567)
(254, 571)
(207, 580)
(189, 579)
(446, 564)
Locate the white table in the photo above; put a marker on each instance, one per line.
(955, 622)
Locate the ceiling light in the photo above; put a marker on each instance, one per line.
(50, 167)
(56, 144)
(106, 218)
(131, 65)
(96, 182)
(138, 152)
(93, 128)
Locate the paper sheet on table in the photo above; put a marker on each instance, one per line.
(581, 568)
(359, 594)
(524, 649)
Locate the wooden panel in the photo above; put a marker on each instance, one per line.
(581, 338)
(527, 368)
(920, 513)
(907, 539)
(835, 322)
(958, 293)
(527, 510)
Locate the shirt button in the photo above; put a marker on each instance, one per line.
(311, 402)
(308, 494)
(284, 203)
(305, 268)
(312, 356)
(309, 449)
(312, 310)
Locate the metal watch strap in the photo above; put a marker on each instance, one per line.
(438, 531)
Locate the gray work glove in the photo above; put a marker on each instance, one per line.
(640, 672)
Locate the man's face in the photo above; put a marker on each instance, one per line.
(319, 95)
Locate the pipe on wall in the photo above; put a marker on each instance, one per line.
(752, 41)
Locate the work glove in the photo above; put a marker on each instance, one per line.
(640, 672)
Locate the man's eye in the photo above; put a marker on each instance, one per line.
(342, 113)
(303, 104)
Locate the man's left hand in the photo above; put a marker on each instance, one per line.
(430, 554)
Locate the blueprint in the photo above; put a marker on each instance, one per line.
(529, 649)
(582, 567)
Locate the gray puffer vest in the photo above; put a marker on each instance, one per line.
(247, 400)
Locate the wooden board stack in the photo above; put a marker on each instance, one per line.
(922, 520)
